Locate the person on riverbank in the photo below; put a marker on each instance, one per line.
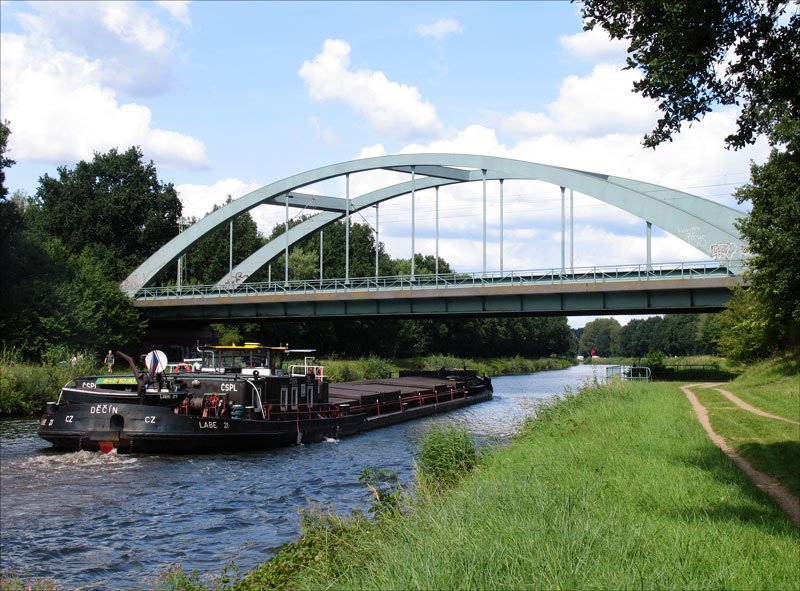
(109, 360)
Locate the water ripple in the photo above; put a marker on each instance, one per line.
(96, 521)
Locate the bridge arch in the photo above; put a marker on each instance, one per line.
(704, 224)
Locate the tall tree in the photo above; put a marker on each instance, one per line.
(772, 230)
(22, 258)
(598, 336)
(98, 315)
(745, 328)
(423, 265)
(65, 251)
(634, 339)
(56, 300)
(696, 55)
(10, 222)
(5, 161)
(304, 257)
(680, 334)
(709, 332)
(208, 261)
(32, 314)
(114, 202)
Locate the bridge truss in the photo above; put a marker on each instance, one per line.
(704, 224)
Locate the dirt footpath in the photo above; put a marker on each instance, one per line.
(780, 494)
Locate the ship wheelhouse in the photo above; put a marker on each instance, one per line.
(249, 359)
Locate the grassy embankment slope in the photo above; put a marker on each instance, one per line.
(616, 488)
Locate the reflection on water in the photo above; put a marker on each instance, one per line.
(108, 521)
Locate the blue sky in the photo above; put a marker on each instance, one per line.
(227, 97)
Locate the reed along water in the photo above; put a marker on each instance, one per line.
(107, 521)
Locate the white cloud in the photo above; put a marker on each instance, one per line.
(600, 103)
(132, 47)
(365, 182)
(199, 200)
(62, 106)
(372, 151)
(172, 149)
(696, 162)
(474, 139)
(594, 45)
(390, 107)
(60, 82)
(440, 29)
(132, 26)
(178, 9)
(596, 124)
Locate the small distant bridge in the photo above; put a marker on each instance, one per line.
(566, 290)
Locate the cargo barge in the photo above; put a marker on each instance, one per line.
(214, 406)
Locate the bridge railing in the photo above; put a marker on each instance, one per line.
(596, 274)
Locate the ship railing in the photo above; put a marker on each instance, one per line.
(61, 391)
(282, 412)
(257, 397)
(307, 367)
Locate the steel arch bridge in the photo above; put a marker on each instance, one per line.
(704, 224)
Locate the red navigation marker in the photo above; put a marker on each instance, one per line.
(106, 446)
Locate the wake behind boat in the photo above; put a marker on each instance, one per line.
(239, 398)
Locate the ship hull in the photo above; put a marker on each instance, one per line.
(145, 428)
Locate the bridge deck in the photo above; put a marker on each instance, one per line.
(597, 290)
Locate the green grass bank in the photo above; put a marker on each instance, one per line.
(771, 446)
(618, 487)
(680, 369)
(339, 370)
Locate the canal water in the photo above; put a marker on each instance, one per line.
(93, 521)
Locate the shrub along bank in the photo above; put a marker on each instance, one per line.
(373, 367)
(25, 388)
(616, 488)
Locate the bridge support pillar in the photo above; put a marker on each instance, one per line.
(501, 225)
(413, 215)
(286, 245)
(484, 222)
(563, 233)
(571, 232)
(377, 239)
(649, 248)
(436, 263)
